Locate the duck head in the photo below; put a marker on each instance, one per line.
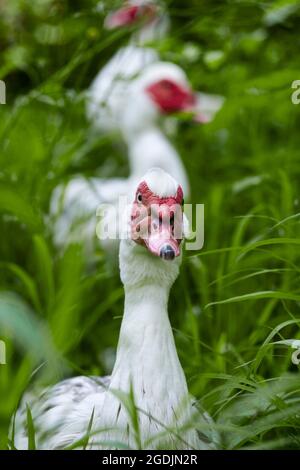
(161, 90)
(153, 250)
(157, 215)
(132, 12)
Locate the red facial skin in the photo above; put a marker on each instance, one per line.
(157, 221)
(130, 14)
(171, 97)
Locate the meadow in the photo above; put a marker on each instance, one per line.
(235, 309)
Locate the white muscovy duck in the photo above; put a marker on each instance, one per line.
(107, 94)
(162, 89)
(147, 362)
(109, 88)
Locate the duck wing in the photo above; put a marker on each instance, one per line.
(61, 413)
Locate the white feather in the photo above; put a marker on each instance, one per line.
(161, 183)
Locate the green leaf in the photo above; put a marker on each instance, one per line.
(89, 428)
(44, 269)
(28, 282)
(19, 322)
(30, 430)
(13, 203)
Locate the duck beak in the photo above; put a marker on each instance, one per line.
(206, 107)
(202, 106)
(160, 231)
(191, 104)
(162, 243)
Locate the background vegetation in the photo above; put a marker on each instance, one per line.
(235, 308)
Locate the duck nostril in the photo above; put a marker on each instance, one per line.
(167, 252)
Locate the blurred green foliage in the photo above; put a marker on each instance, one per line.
(237, 301)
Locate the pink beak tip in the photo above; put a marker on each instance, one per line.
(201, 118)
(155, 245)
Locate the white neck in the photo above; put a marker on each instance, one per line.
(146, 357)
(132, 131)
(146, 354)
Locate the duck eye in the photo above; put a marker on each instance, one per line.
(139, 197)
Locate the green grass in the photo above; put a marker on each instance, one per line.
(236, 303)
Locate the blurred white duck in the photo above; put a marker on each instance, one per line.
(108, 90)
(146, 360)
(162, 89)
